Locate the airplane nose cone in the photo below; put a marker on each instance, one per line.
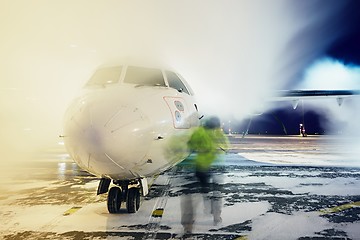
(92, 137)
(81, 135)
(106, 139)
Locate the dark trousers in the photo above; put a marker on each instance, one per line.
(204, 180)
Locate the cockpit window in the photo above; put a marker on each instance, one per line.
(175, 82)
(105, 76)
(144, 76)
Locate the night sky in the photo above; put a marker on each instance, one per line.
(345, 48)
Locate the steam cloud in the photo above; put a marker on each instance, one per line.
(332, 74)
(233, 54)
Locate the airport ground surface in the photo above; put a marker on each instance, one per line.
(267, 187)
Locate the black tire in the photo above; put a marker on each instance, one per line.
(133, 200)
(114, 200)
(137, 200)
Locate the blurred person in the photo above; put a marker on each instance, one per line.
(208, 142)
(302, 130)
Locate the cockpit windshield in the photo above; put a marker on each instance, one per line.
(144, 76)
(175, 82)
(105, 76)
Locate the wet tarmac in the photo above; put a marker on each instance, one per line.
(265, 188)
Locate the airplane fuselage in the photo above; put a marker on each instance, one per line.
(124, 130)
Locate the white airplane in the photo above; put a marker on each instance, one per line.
(130, 124)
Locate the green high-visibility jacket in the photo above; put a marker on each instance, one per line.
(208, 144)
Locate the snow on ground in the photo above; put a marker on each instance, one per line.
(271, 188)
(281, 226)
(294, 150)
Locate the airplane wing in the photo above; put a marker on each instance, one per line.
(296, 95)
(317, 93)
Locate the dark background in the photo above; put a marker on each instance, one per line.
(345, 48)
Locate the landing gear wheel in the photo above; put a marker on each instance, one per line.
(114, 200)
(137, 200)
(133, 200)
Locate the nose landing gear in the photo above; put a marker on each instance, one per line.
(125, 191)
